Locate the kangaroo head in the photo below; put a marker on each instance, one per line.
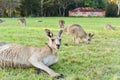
(61, 23)
(89, 37)
(54, 40)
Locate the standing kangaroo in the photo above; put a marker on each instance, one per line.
(109, 27)
(78, 33)
(18, 56)
(61, 23)
(22, 21)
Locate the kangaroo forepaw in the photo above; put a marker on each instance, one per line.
(38, 70)
(59, 76)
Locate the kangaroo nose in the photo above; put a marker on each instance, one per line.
(89, 39)
(58, 46)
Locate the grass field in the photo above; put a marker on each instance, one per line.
(99, 60)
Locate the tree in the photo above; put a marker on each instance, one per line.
(63, 4)
(118, 4)
(1, 8)
(101, 4)
(111, 10)
(42, 4)
(11, 5)
(94, 3)
(30, 7)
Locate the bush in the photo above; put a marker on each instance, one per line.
(111, 10)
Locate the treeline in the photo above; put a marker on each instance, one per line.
(36, 8)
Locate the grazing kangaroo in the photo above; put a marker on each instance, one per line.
(1, 21)
(18, 56)
(22, 21)
(61, 23)
(78, 33)
(109, 27)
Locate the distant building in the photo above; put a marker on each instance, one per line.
(87, 12)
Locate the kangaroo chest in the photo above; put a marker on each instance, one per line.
(50, 59)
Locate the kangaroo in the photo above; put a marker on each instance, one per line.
(61, 23)
(19, 56)
(3, 43)
(78, 33)
(109, 27)
(22, 21)
(1, 21)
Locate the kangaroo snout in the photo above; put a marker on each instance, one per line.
(89, 40)
(58, 46)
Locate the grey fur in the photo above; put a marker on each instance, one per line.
(3, 43)
(19, 56)
(78, 33)
(109, 27)
(12, 55)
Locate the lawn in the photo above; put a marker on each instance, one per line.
(99, 60)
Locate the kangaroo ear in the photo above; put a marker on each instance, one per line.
(60, 33)
(89, 34)
(92, 35)
(49, 33)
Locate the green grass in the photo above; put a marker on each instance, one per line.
(99, 60)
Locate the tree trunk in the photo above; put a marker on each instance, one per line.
(64, 9)
(118, 8)
(2, 11)
(42, 7)
(10, 9)
(60, 12)
(10, 13)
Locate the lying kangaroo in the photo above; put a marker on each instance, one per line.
(22, 21)
(109, 27)
(78, 33)
(61, 23)
(18, 56)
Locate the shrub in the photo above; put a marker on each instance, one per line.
(111, 10)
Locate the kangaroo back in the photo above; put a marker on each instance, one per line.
(75, 30)
(109, 27)
(78, 33)
(3, 43)
(13, 55)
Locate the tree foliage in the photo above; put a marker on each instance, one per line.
(11, 6)
(30, 7)
(111, 10)
(50, 7)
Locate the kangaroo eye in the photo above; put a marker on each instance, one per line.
(53, 39)
(60, 40)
